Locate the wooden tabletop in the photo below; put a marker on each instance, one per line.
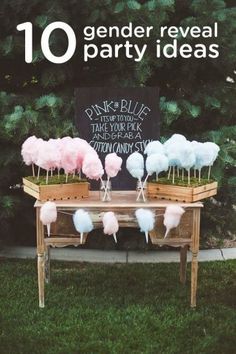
(124, 199)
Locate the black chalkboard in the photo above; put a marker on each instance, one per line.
(121, 120)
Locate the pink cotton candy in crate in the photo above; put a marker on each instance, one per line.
(82, 148)
(28, 150)
(48, 156)
(68, 155)
(92, 166)
(110, 224)
(112, 164)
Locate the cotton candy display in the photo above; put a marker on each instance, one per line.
(110, 224)
(92, 166)
(82, 222)
(48, 214)
(172, 216)
(66, 153)
(146, 221)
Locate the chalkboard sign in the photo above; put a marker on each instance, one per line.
(121, 120)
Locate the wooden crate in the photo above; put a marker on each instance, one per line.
(179, 193)
(56, 191)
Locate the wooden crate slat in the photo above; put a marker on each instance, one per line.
(180, 193)
(56, 191)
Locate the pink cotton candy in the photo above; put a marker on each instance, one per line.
(82, 148)
(172, 216)
(28, 150)
(48, 214)
(110, 224)
(68, 156)
(92, 166)
(112, 164)
(48, 156)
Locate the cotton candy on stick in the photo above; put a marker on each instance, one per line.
(68, 156)
(82, 148)
(28, 151)
(172, 216)
(110, 224)
(47, 157)
(154, 147)
(48, 214)
(187, 157)
(112, 167)
(146, 221)
(155, 163)
(214, 149)
(135, 166)
(92, 167)
(82, 222)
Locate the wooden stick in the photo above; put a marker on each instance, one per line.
(114, 236)
(146, 236)
(209, 172)
(188, 176)
(81, 237)
(38, 173)
(169, 172)
(173, 176)
(33, 172)
(194, 173)
(141, 188)
(199, 175)
(106, 192)
(47, 177)
(58, 173)
(177, 171)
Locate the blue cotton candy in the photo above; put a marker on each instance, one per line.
(82, 221)
(146, 219)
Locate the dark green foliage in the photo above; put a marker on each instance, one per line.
(123, 309)
(197, 95)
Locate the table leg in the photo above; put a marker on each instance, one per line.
(183, 263)
(195, 249)
(41, 257)
(47, 265)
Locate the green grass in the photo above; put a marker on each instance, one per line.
(55, 180)
(125, 309)
(194, 182)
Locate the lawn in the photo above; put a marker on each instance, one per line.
(108, 309)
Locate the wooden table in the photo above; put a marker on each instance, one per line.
(123, 204)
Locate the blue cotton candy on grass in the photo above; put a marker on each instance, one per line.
(146, 221)
(156, 163)
(82, 222)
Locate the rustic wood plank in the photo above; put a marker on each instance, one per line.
(183, 263)
(195, 249)
(180, 193)
(57, 191)
(120, 199)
